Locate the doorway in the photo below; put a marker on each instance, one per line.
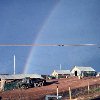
(75, 73)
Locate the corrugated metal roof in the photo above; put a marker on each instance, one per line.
(81, 68)
(63, 71)
(20, 76)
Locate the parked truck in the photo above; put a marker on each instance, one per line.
(31, 82)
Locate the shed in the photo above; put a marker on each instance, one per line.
(8, 78)
(83, 71)
(61, 73)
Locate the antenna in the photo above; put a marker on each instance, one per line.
(60, 66)
(14, 65)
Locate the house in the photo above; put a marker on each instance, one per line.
(61, 73)
(83, 71)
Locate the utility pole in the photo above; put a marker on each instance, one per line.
(14, 66)
(60, 66)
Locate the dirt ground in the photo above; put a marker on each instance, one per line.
(39, 93)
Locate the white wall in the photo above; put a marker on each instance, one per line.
(75, 69)
(2, 82)
(54, 73)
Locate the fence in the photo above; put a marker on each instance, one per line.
(82, 91)
(77, 92)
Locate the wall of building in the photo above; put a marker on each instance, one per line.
(54, 74)
(0, 85)
(76, 69)
(2, 82)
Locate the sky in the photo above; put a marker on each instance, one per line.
(49, 22)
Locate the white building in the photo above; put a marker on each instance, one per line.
(98, 74)
(61, 73)
(83, 71)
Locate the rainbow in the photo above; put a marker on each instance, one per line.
(26, 68)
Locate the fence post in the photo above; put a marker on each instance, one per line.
(46, 98)
(88, 88)
(57, 92)
(70, 94)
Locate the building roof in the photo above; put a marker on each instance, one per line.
(62, 71)
(19, 76)
(81, 68)
(98, 73)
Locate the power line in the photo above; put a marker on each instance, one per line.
(29, 45)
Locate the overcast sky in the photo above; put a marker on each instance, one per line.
(49, 22)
